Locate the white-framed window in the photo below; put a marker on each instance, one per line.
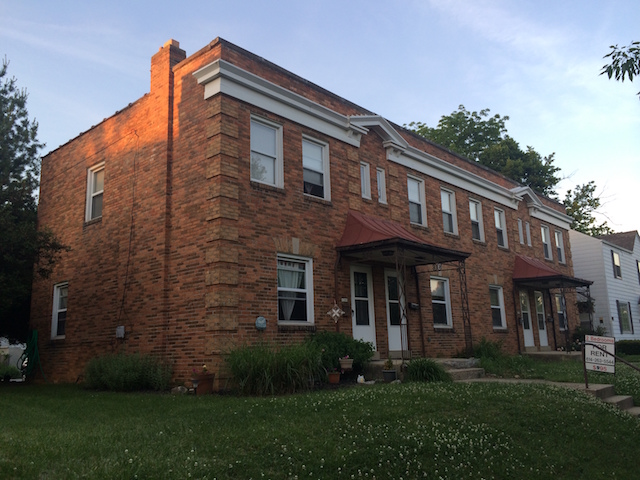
(501, 231)
(559, 246)
(365, 180)
(315, 168)
(382, 185)
(497, 307)
(295, 289)
(638, 265)
(59, 314)
(417, 206)
(95, 191)
(624, 315)
(440, 302)
(520, 232)
(527, 228)
(560, 308)
(449, 217)
(615, 260)
(475, 213)
(266, 152)
(546, 242)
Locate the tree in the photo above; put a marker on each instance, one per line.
(581, 203)
(484, 139)
(625, 62)
(23, 249)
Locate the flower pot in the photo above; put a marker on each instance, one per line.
(334, 377)
(389, 375)
(203, 384)
(346, 363)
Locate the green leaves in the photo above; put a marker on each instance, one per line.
(625, 62)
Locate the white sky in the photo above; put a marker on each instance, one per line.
(536, 61)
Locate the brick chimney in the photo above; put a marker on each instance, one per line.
(162, 64)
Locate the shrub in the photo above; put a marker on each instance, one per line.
(334, 345)
(269, 370)
(579, 332)
(9, 371)
(426, 370)
(487, 349)
(628, 347)
(127, 372)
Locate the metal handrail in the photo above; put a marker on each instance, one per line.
(584, 363)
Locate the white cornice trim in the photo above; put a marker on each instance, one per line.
(539, 210)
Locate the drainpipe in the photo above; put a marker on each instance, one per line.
(335, 286)
(415, 274)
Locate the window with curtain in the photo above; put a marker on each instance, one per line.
(295, 300)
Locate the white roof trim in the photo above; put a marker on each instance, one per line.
(539, 210)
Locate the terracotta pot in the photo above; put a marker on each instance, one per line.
(203, 384)
(334, 377)
(346, 363)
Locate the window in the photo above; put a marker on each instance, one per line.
(315, 168)
(449, 220)
(266, 152)
(365, 180)
(500, 228)
(417, 212)
(615, 258)
(562, 318)
(295, 289)
(497, 307)
(546, 244)
(559, 246)
(440, 302)
(475, 212)
(638, 265)
(59, 316)
(95, 190)
(382, 185)
(520, 232)
(624, 315)
(527, 228)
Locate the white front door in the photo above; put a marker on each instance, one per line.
(362, 315)
(396, 314)
(542, 324)
(526, 319)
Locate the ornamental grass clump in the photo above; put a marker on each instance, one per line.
(426, 370)
(123, 372)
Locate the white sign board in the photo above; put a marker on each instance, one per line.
(596, 359)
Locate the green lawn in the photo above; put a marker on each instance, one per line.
(450, 431)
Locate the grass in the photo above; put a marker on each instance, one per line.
(412, 430)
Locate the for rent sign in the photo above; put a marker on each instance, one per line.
(596, 359)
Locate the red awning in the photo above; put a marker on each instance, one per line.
(378, 240)
(535, 273)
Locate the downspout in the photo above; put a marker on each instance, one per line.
(335, 285)
(415, 274)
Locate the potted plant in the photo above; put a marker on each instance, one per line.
(202, 381)
(389, 373)
(334, 376)
(346, 363)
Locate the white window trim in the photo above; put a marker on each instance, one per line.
(560, 246)
(520, 232)
(309, 288)
(55, 310)
(279, 163)
(90, 193)
(422, 202)
(503, 319)
(325, 166)
(527, 226)
(382, 185)
(615, 255)
(503, 227)
(453, 213)
(544, 233)
(447, 303)
(480, 221)
(365, 180)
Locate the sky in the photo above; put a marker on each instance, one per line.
(535, 61)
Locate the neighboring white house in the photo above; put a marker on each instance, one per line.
(613, 263)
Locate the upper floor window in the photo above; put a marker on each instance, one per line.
(559, 246)
(497, 307)
(475, 213)
(546, 243)
(95, 190)
(638, 265)
(365, 180)
(527, 229)
(417, 207)
(59, 315)
(501, 231)
(266, 152)
(315, 168)
(615, 259)
(382, 185)
(520, 232)
(449, 220)
(440, 302)
(295, 289)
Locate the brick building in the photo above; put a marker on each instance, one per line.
(236, 201)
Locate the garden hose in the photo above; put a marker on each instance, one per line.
(31, 356)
